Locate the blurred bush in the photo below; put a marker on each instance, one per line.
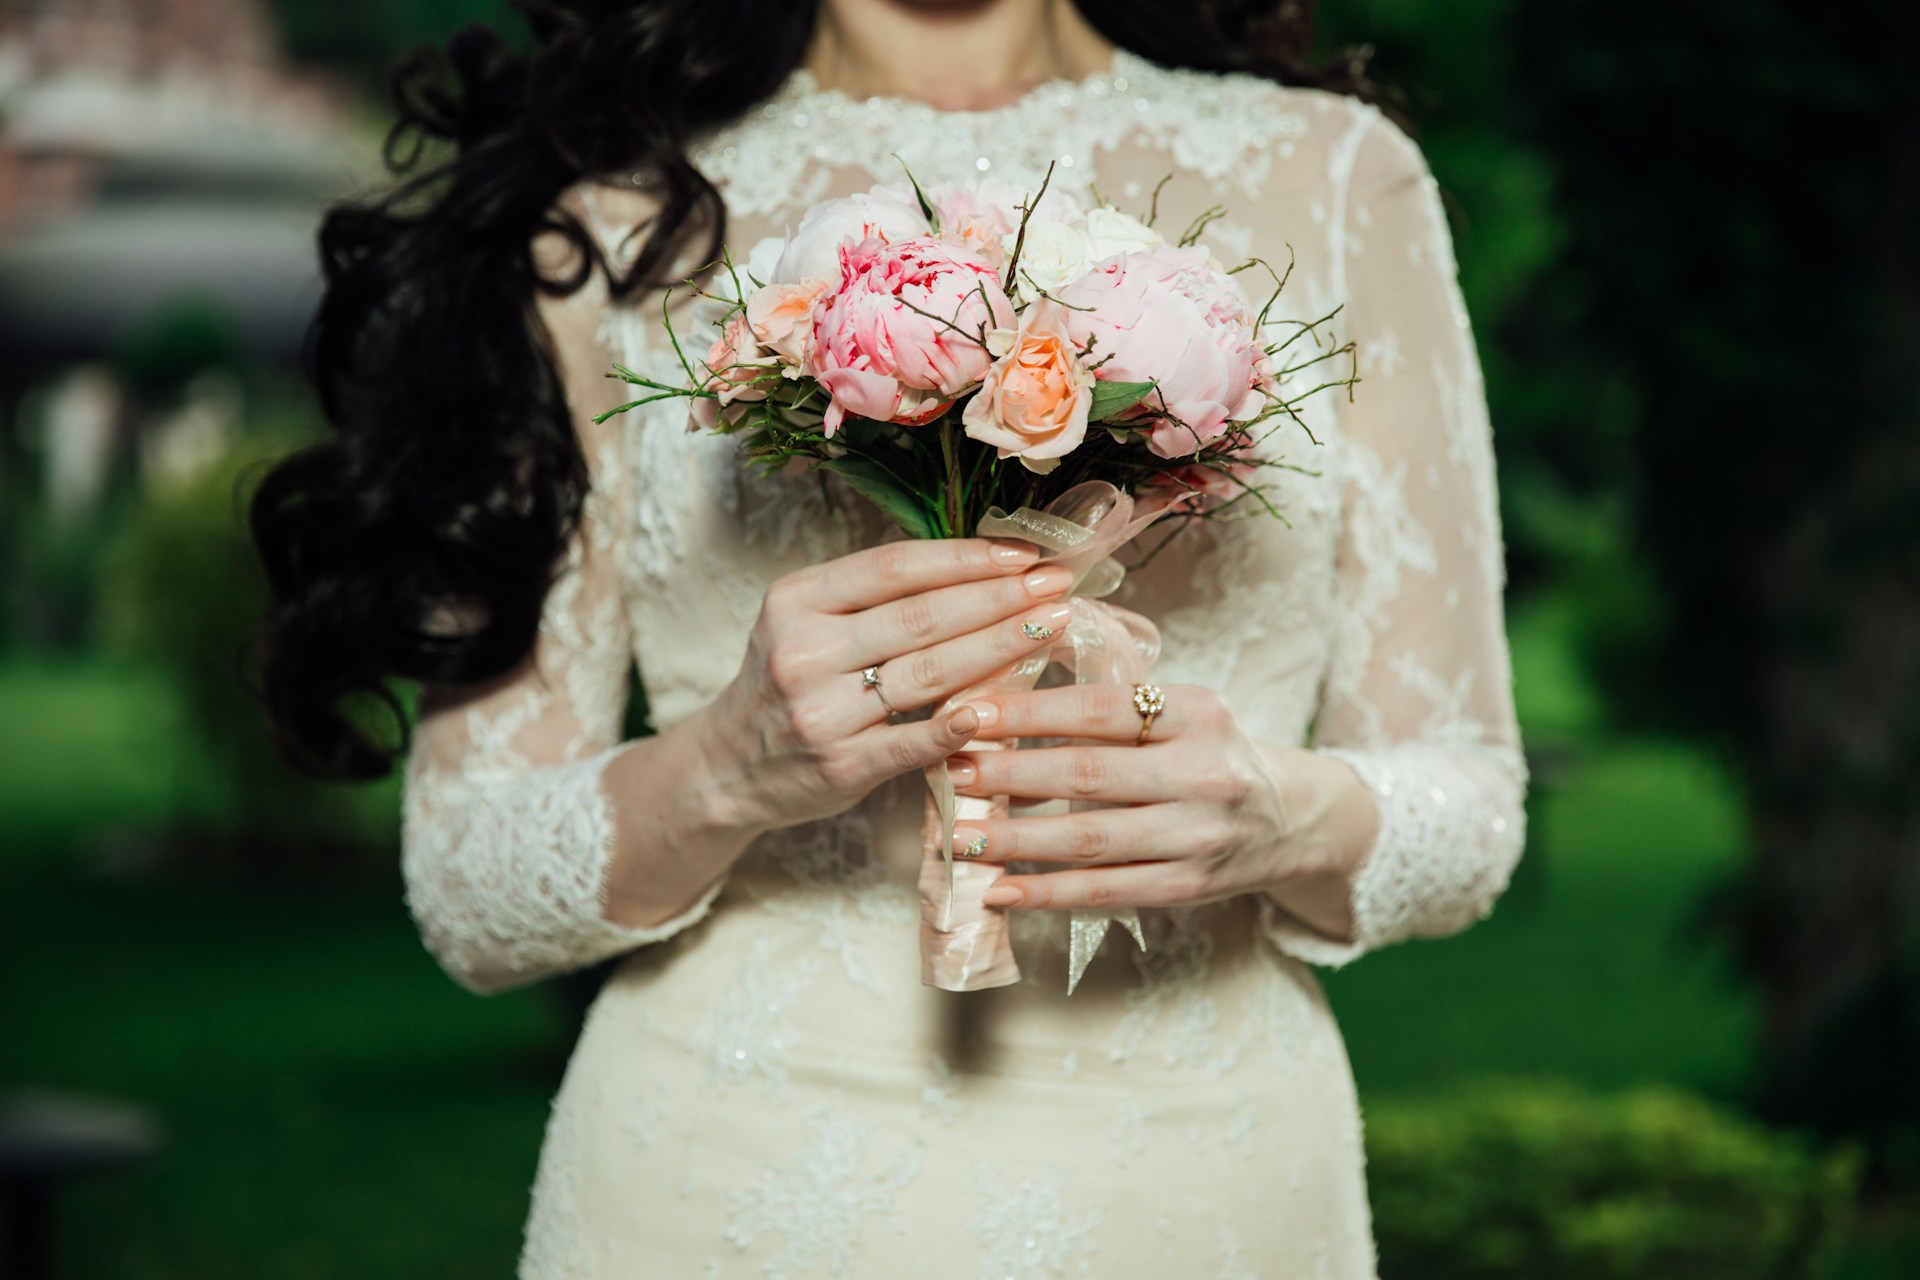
(182, 589)
(1505, 1180)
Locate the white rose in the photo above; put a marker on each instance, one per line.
(1111, 232)
(1052, 255)
(761, 261)
(813, 250)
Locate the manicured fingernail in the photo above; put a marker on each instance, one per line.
(963, 722)
(984, 713)
(968, 843)
(1049, 581)
(962, 772)
(1011, 554)
(1044, 624)
(1003, 895)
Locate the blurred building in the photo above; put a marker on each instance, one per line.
(162, 174)
(152, 150)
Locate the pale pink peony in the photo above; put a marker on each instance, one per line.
(1033, 404)
(977, 217)
(735, 366)
(1172, 317)
(895, 342)
(813, 250)
(781, 316)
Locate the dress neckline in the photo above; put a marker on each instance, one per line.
(802, 90)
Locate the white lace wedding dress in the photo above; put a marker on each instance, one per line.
(765, 1088)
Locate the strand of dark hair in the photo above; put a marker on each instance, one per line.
(418, 540)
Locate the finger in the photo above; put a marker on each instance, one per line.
(917, 621)
(1115, 775)
(896, 569)
(1098, 837)
(946, 668)
(1133, 884)
(1104, 712)
(887, 751)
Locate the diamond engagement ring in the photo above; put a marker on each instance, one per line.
(1149, 702)
(870, 679)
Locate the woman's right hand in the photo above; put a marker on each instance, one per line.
(798, 736)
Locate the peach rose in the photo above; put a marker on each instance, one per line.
(976, 217)
(1033, 403)
(781, 316)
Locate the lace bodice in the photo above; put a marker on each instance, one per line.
(1368, 626)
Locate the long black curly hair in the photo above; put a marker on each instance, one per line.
(452, 478)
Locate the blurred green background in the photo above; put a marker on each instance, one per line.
(1686, 1045)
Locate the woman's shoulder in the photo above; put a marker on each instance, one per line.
(1238, 126)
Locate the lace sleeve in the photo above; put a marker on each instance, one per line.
(507, 829)
(1418, 699)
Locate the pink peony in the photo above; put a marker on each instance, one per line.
(895, 342)
(1033, 404)
(977, 217)
(813, 250)
(1171, 317)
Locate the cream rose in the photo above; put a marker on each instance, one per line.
(1111, 232)
(1052, 256)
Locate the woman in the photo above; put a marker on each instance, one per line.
(764, 1086)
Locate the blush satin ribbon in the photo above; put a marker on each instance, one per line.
(964, 944)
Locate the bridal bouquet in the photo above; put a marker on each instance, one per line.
(978, 363)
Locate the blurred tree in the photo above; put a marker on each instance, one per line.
(1740, 183)
(182, 590)
(180, 338)
(366, 38)
(1564, 491)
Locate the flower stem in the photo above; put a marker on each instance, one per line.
(950, 455)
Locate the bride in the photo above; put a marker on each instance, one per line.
(764, 1087)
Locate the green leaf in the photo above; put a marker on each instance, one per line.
(1110, 398)
(926, 205)
(872, 483)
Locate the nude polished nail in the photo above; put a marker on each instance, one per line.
(1049, 581)
(1047, 623)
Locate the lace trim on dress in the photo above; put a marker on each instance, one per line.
(1444, 853)
(549, 834)
(781, 154)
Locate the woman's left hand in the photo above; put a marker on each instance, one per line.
(1204, 811)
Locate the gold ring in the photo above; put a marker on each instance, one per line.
(870, 679)
(1149, 701)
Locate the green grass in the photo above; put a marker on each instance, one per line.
(336, 1108)
(1592, 966)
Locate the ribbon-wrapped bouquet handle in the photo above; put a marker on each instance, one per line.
(965, 945)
